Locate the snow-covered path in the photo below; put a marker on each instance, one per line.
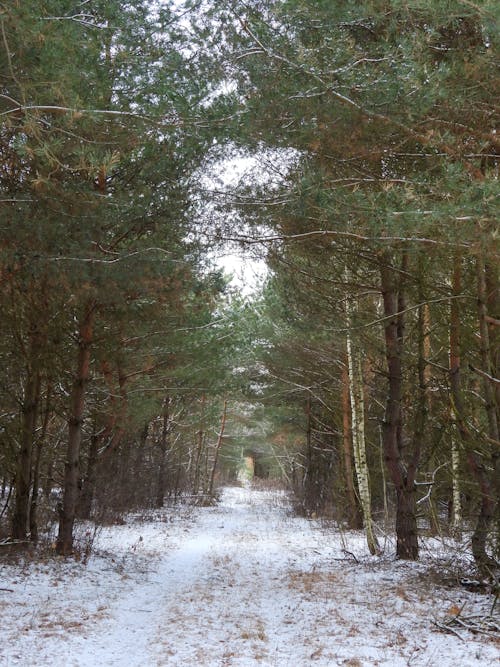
(241, 584)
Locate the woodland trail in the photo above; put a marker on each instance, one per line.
(220, 598)
(241, 584)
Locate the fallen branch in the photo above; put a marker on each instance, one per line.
(476, 624)
(349, 553)
(446, 628)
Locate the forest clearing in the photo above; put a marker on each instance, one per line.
(240, 584)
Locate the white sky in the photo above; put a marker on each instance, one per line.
(270, 168)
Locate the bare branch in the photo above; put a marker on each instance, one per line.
(349, 235)
(95, 260)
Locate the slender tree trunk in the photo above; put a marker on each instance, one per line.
(36, 467)
(137, 465)
(20, 516)
(7, 501)
(309, 480)
(489, 486)
(392, 431)
(199, 448)
(33, 518)
(475, 464)
(358, 441)
(217, 449)
(492, 284)
(422, 398)
(487, 355)
(75, 424)
(456, 516)
(164, 447)
(355, 518)
(492, 299)
(88, 488)
(455, 388)
(486, 514)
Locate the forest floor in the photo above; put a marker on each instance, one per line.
(242, 583)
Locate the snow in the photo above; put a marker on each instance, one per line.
(239, 584)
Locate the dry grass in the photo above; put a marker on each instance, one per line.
(315, 581)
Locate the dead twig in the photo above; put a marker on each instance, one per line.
(476, 624)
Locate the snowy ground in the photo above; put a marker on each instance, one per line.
(244, 583)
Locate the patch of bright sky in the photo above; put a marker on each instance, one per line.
(245, 264)
(247, 272)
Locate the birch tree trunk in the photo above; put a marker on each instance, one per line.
(454, 366)
(355, 516)
(356, 391)
(456, 516)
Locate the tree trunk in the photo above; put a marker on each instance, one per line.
(33, 519)
(487, 507)
(492, 284)
(88, 488)
(392, 430)
(7, 501)
(358, 441)
(310, 478)
(163, 446)
(487, 356)
(456, 515)
(138, 465)
(217, 449)
(199, 449)
(75, 424)
(489, 486)
(20, 517)
(36, 468)
(484, 562)
(422, 398)
(355, 518)
(455, 390)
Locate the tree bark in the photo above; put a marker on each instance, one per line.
(487, 353)
(75, 423)
(392, 429)
(20, 517)
(456, 515)
(355, 518)
(358, 439)
(490, 487)
(199, 448)
(217, 449)
(423, 397)
(88, 488)
(476, 466)
(36, 467)
(455, 390)
(163, 446)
